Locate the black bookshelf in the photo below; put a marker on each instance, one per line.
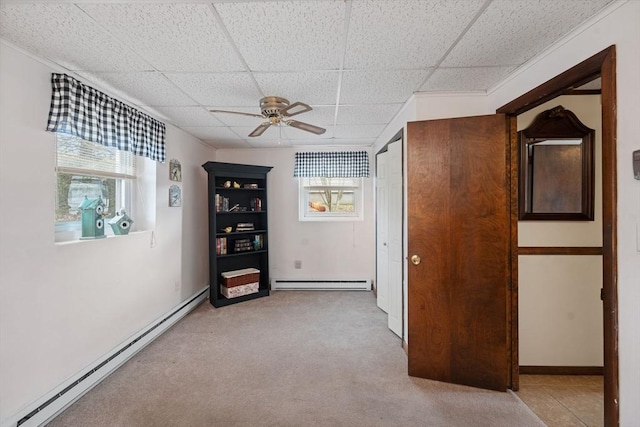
(237, 215)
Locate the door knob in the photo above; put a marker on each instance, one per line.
(415, 259)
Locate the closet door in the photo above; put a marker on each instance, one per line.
(382, 238)
(459, 250)
(395, 192)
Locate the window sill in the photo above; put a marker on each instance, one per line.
(107, 237)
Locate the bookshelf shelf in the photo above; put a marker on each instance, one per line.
(238, 228)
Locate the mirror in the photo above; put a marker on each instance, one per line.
(556, 168)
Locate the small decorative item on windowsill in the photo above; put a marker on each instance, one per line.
(92, 211)
(121, 223)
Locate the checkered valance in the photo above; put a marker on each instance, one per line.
(87, 113)
(346, 164)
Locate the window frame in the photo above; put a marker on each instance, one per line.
(125, 187)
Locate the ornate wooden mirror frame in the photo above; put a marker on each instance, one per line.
(556, 168)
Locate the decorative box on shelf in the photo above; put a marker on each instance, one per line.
(240, 277)
(240, 290)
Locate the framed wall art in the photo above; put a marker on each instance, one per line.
(175, 170)
(175, 196)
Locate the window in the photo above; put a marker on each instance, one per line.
(85, 168)
(330, 199)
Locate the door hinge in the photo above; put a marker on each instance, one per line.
(601, 294)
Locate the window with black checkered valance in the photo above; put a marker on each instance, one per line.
(345, 164)
(89, 114)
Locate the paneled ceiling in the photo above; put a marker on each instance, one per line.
(356, 62)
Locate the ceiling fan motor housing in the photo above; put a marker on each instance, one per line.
(271, 105)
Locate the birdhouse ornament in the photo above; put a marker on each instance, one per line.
(92, 211)
(121, 223)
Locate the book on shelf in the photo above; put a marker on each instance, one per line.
(221, 245)
(245, 226)
(256, 204)
(222, 203)
(243, 245)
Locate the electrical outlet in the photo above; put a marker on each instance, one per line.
(298, 264)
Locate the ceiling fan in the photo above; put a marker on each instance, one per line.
(277, 110)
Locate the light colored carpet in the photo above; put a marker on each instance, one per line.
(295, 358)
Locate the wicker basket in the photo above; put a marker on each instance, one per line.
(240, 277)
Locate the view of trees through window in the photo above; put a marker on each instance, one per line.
(73, 188)
(332, 200)
(331, 195)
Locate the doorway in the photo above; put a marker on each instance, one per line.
(602, 65)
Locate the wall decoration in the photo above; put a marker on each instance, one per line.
(175, 170)
(175, 196)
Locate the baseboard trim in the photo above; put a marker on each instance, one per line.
(49, 406)
(562, 370)
(405, 346)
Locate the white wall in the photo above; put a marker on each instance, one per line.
(328, 250)
(619, 27)
(63, 306)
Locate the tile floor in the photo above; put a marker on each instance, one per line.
(564, 401)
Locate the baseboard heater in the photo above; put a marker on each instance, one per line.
(47, 407)
(322, 285)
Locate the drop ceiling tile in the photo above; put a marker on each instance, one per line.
(149, 88)
(311, 87)
(62, 33)
(380, 86)
(367, 114)
(354, 141)
(212, 133)
(465, 79)
(510, 32)
(171, 36)
(405, 34)
(189, 116)
(286, 35)
(358, 131)
(232, 89)
(268, 143)
(230, 144)
(365, 142)
(320, 116)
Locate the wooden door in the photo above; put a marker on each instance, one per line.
(459, 227)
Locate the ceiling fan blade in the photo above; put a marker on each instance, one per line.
(295, 108)
(260, 129)
(237, 112)
(306, 127)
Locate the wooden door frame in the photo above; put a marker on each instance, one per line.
(602, 64)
